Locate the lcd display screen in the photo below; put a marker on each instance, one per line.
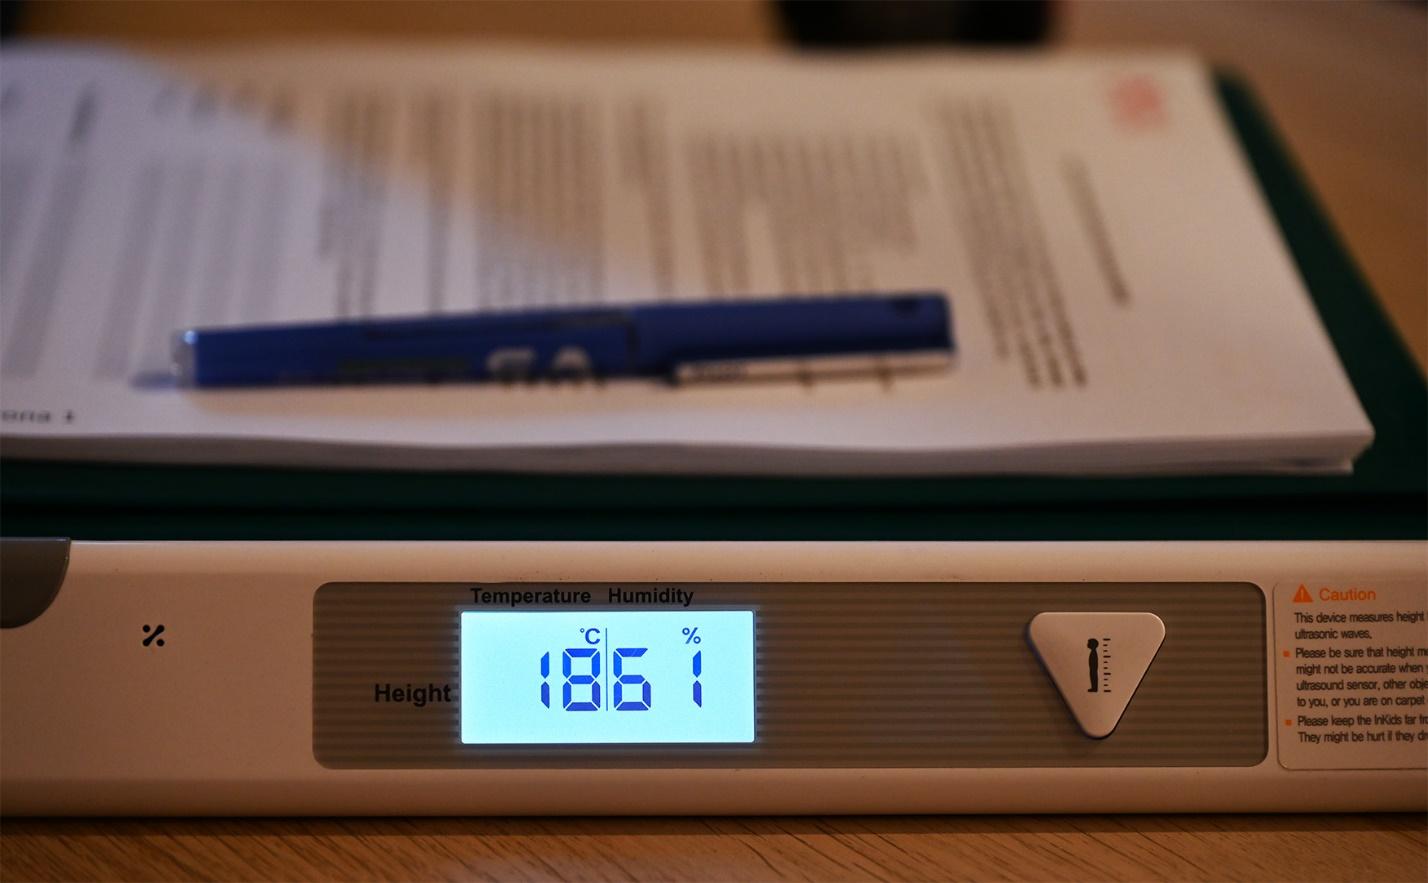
(607, 677)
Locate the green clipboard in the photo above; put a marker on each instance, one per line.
(1385, 498)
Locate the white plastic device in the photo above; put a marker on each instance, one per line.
(182, 678)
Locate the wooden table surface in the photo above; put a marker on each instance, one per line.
(1345, 82)
(1297, 848)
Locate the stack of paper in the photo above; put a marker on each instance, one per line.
(1123, 301)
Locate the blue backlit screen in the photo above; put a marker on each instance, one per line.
(607, 677)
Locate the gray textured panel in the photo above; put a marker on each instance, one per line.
(849, 675)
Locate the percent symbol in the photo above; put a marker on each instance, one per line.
(156, 632)
(691, 636)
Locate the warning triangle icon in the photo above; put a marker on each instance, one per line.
(1302, 596)
(1097, 661)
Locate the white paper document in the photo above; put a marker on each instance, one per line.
(1122, 300)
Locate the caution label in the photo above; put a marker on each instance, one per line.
(1352, 675)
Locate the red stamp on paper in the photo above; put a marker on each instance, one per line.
(1138, 103)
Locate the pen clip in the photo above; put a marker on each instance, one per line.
(806, 369)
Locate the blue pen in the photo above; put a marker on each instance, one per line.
(708, 340)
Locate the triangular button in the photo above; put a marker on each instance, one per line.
(1097, 661)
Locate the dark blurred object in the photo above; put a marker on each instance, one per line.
(853, 23)
(9, 18)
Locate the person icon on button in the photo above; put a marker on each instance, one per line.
(1094, 662)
